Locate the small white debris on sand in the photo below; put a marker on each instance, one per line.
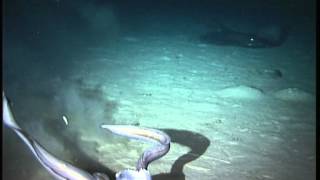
(64, 118)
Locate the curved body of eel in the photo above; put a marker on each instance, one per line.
(63, 170)
(161, 139)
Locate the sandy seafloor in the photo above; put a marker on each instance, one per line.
(228, 116)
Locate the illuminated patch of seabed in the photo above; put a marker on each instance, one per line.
(245, 125)
(121, 154)
(234, 139)
(191, 115)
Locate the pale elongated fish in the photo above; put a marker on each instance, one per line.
(151, 135)
(63, 170)
(58, 168)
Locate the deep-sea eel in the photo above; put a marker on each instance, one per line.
(63, 170)
(58, 168)
(146, 134)
(266, 38)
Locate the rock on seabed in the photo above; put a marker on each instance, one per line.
(293, 94)
(240, 92)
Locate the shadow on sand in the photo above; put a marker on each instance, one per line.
(198, 144)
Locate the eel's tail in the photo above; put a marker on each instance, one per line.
(58, 168)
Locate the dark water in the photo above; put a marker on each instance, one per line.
(44, 40)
